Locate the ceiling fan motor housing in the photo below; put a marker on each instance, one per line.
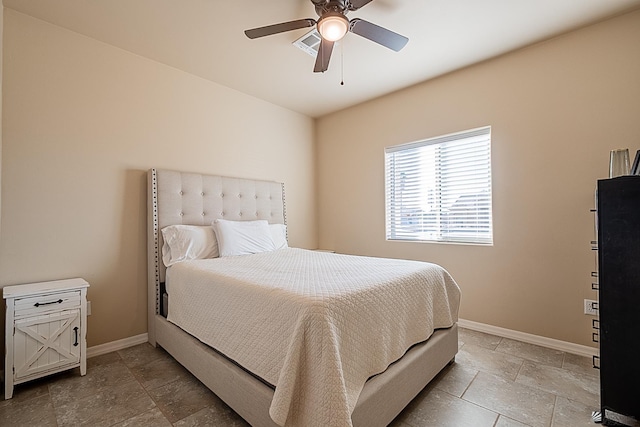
(325, 6)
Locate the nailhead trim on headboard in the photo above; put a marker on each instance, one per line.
(154, 186)
(284, 211)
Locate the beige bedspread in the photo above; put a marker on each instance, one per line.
(314, 324)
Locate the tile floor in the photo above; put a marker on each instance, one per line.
(495, 382)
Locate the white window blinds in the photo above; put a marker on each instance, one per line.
(439, 189)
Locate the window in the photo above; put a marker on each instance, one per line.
(439, 189)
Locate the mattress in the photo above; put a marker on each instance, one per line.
(315, 325)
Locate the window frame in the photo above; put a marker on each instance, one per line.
(473, 221)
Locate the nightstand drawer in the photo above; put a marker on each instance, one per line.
(41, 304)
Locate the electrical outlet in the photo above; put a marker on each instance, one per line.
(89, 307)
(591, 307)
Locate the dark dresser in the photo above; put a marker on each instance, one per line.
(618, 220)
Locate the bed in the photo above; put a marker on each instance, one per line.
(317, 383)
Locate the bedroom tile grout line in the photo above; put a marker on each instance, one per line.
(553, 412)
(53, 404)
(467, 388)
(146, 390)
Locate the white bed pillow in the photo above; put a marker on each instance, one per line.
(243, 237)
(279, 235)
(187, 242)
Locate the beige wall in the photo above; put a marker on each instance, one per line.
(83, 122)
(556, 109)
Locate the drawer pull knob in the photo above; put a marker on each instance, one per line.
(75, 330)
(38, 304)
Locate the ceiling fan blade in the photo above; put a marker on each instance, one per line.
(357, 4)
(255, 33)
(375, 33)
(324, 55)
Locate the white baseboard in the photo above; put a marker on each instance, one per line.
(97, 350)
(565, 346)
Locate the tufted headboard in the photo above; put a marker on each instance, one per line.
(195, 199)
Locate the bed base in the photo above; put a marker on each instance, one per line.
(382, 399)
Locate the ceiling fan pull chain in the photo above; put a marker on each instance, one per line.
(341, 64)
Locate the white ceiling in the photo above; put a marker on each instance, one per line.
(205, 38)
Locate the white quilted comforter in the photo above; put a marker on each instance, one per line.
(316, 325)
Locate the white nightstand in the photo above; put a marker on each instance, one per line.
(46, 330)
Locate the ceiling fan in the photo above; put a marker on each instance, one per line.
(332, 26)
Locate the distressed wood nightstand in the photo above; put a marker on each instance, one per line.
(46, 328)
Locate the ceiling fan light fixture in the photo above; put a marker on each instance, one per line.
(333, 26)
